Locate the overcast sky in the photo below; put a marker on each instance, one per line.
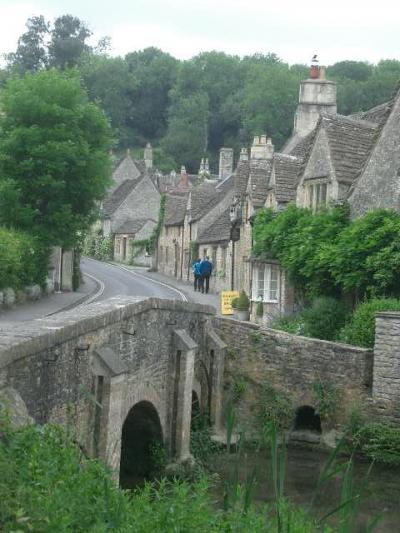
(294, 30)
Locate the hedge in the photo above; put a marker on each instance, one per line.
(23, 259)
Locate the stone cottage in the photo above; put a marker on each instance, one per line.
(131, 210)
(352, 158)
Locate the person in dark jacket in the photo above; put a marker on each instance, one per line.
(196, 274)
(205, 271)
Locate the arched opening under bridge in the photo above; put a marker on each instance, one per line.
(141, 445)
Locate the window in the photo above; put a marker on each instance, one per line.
(265, 283)
(214, 256)
(204, 252)
(317, 195)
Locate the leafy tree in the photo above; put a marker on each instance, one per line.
(154, 73)
(113, 87)
(351, 70)
(53, 155)
(31, 54)
(68, 41)
(187, 134)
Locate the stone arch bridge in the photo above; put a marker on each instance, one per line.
(122, 361)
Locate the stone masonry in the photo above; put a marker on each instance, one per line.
(121, 352)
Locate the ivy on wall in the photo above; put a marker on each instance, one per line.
(326, 253)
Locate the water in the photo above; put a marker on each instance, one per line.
(302, 472)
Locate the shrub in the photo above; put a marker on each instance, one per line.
(23, 259)
(291, 324)
(324, 318)
(259, 309)
(99, 247)
(360, 331)
(380, 442)
(242, 303)
(276, 408)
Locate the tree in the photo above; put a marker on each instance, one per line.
(154, 73)
(113, 87)
(31, 54)
(68, 42)
(54, 162)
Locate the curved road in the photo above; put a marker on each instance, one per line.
(119, 280)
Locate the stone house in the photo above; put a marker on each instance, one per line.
(188, 215)
(343, 158)
(170, 246)
(128, 241)
(132, 206)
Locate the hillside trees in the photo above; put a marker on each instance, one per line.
(54, 162)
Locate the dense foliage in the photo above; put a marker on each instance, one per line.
(192, 108)
(327, 254)
(380, 442)
(47, 485)
(23, 259)
(324, 318)
(360, 330)
(54, 163)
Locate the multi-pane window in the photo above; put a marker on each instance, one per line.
(317, 195)
(214, 256)
(265, 283)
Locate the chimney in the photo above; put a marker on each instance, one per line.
(244, 156)
(201, 169)
(148, 156)
(225, 162)
(317, 95)
(207, 166)
(184, 181)
(262, 148)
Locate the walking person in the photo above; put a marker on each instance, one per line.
(196, 274)
(205, 271)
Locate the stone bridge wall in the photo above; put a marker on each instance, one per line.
(256, 356)
(116, 353)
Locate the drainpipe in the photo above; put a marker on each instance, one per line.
(183, 228)
(233, 266)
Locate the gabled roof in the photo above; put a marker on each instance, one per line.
(302, 147)
(206, 196)
(133, 226)
(377, 114)
(260, 173)
(286, 169)
(350, 142)
(241, 177)
(175, 210)
(111, 204)
(218, 231)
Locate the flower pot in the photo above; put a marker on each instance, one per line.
(242, 314)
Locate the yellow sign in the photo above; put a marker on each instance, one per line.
(226, 301)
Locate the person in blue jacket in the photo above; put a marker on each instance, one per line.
(196, 274)
(205, 271)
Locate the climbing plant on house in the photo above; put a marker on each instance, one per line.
(326, 253)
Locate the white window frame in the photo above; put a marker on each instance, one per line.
(315, 197)
(267, 288)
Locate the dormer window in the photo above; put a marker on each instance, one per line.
(316, 194)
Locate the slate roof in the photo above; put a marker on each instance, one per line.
(260, 173)
(286, 170)
(218, 231)
(241, 177)
(350, 142)
(302, 148)
(206, 196)
(111, 204)
(377, 114)
(132, 226)
(175, 210)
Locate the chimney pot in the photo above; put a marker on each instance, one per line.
(263, 139)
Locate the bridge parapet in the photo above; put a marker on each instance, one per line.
(88, 367)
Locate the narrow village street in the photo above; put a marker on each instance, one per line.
(102, 281)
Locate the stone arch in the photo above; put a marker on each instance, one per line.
(140, 431)
(307, 419)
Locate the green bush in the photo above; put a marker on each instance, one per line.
(360, 331)
(47, 485)
(380, 442)
(23, 259)
(324, 318)
(242, 303)
(99, 247)
(291, 324)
